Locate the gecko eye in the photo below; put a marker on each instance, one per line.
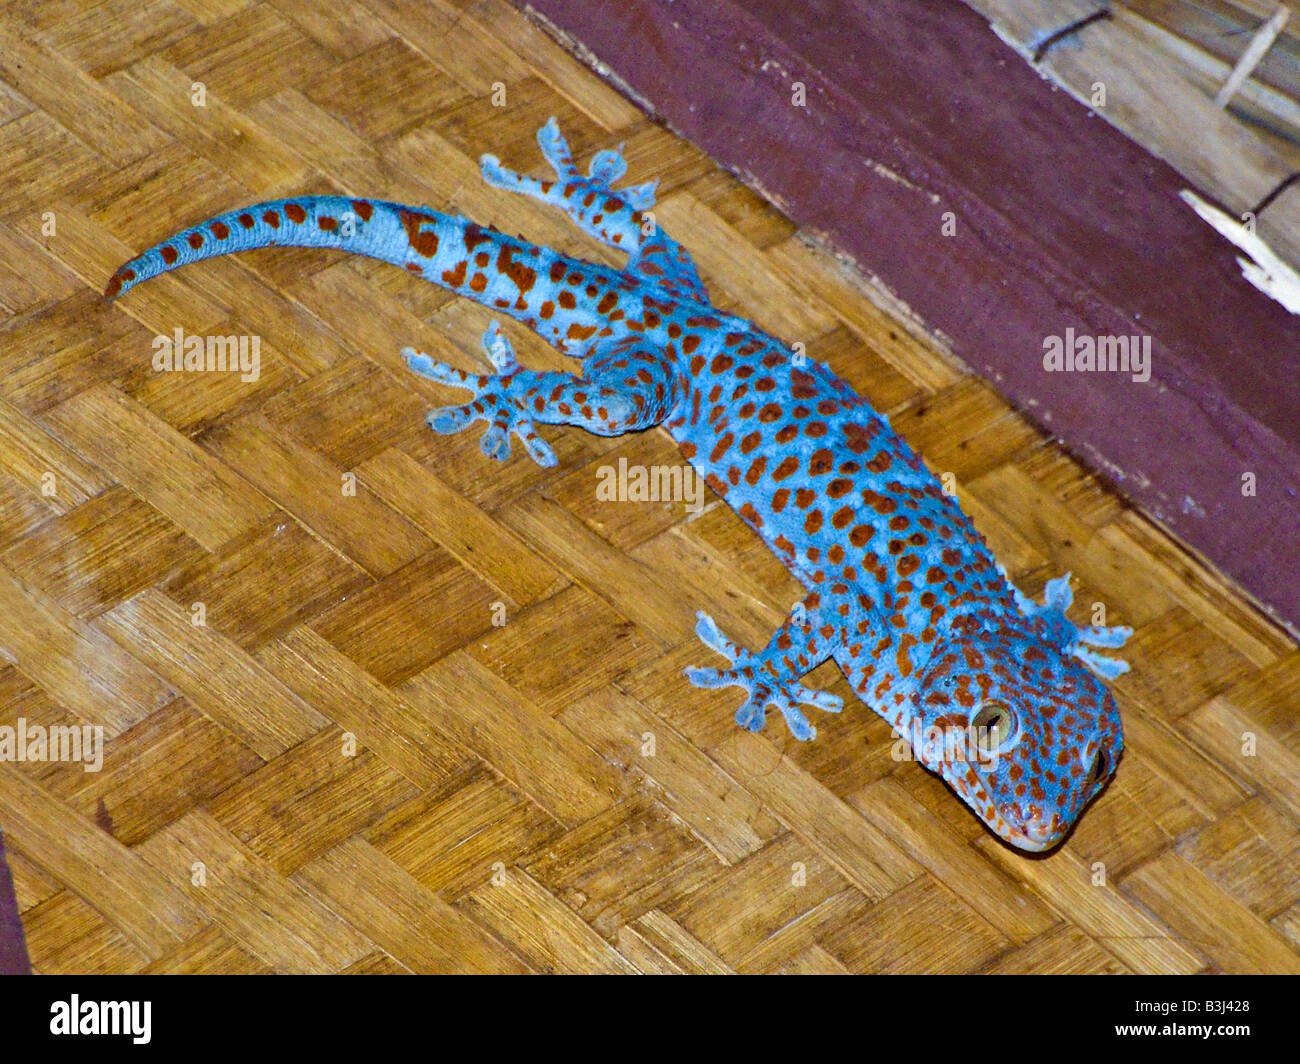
(993, 724)
(1100, 768)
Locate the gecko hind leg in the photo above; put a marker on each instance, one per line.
(627, 385)
(496, 399)
(606, 167)
(770, 677)
(606, 213)
(616, 217)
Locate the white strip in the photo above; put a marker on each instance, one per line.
(1259, 45)
(1269, 273)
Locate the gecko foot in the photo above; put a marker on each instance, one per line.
(607, 166)
(1074, 639)
(499, 399)
(762, 681)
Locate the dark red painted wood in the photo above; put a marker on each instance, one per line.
(914, 110)
(13, 944)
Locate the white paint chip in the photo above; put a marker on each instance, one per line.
(1268, 272)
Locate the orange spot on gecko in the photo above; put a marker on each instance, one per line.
(423, 241)
(904, 661)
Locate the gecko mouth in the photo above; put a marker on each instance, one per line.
(1024, 840)
(1023, 827)
(1036, 834)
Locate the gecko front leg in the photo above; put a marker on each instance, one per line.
(771, 676)
(1072, 638)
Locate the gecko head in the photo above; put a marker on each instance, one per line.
(1024, 733)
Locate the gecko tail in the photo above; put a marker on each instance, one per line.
(514, 278)
(482, 264)
(369, 227)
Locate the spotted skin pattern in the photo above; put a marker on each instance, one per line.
(903, 594)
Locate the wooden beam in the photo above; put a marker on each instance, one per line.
(1259, 45)
(1154, 100)
(13, 944)
(1217, 28)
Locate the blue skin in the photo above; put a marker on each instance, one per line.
(903, 594)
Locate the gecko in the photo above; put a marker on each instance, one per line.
(999, 695)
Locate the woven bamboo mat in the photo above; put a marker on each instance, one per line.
(372, 703)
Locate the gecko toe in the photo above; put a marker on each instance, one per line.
(419, 362)
(495, 443)
(607, 166)
(705, 677)
(448, 420)
(752, 715)
(823, 700)
(539, 450)
(796, 721)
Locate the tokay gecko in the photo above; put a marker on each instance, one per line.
(999, 695)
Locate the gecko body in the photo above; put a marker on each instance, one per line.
(1001, 696)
